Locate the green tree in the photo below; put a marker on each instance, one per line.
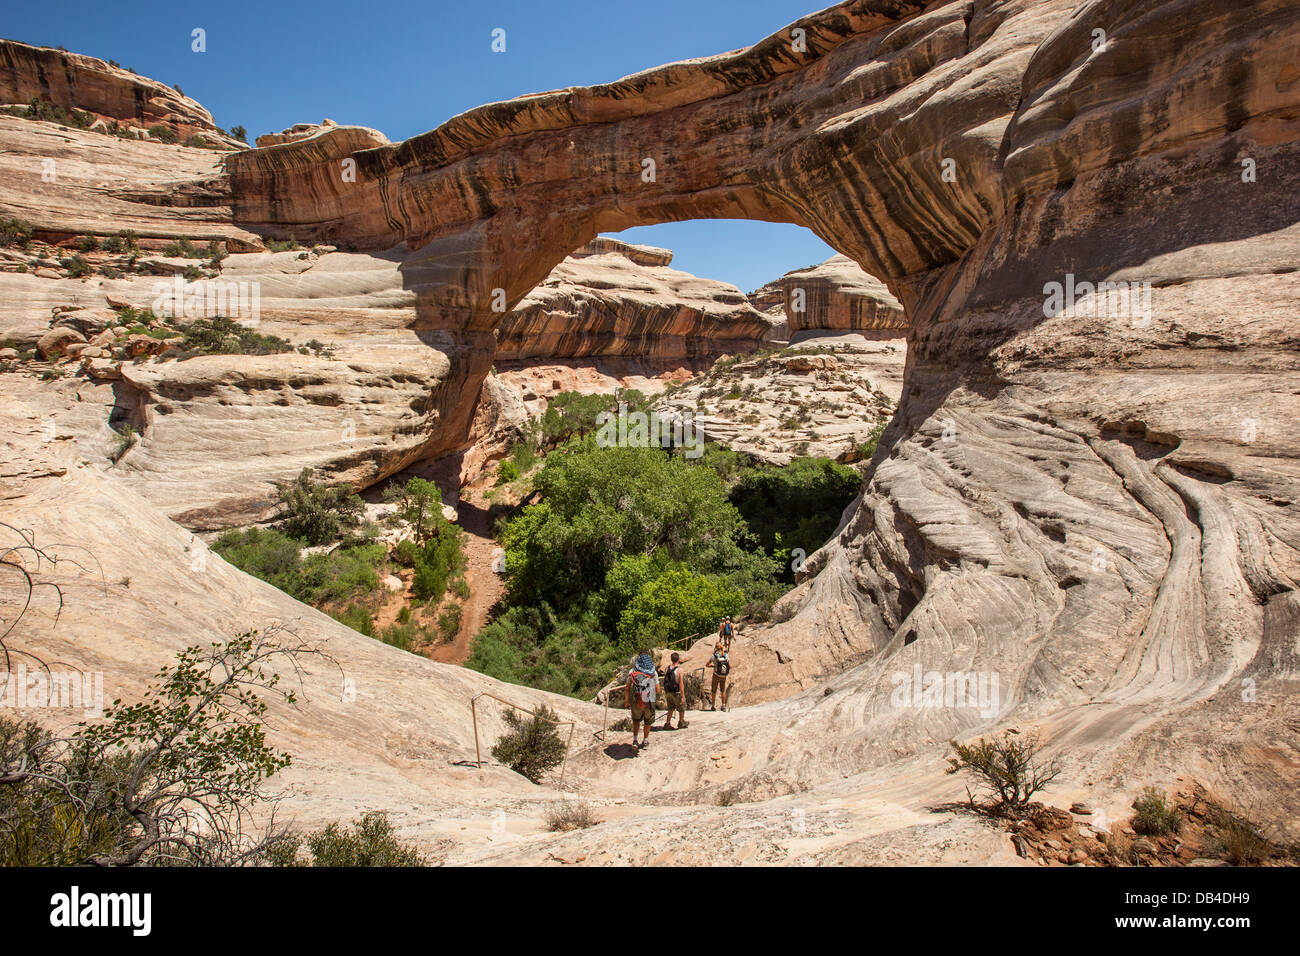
(171, 779)
(532, 746)
(370, 841)
(419, 505)
(797, 506)
(317, 513)
(675, 605)
(601, 503)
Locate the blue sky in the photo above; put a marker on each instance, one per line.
(403, 68)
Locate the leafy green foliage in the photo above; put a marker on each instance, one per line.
(317, 513)
(419, 506)
(532, 746)
(169, 779)
(677, 604)
(797, 506)
(571, 414)
(564, 654)
(40, 109)
(339, 576)
(164, 134)
(449, 622)
(437, 562)
(356, 617)
(632, 546)
(15, 232)
(601, 503)
(124, 240)
(370, 841)
(77, 266)
(182, 249)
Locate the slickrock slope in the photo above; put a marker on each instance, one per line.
(74, 81)
(1098, 506)
(609, 299)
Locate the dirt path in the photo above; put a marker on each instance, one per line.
(485, 586)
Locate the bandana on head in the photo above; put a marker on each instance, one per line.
(644, 664)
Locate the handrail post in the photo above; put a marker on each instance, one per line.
(478, 754)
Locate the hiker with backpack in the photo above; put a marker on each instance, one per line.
(721, 664)
(725, 630)
(640, 693)
(675, 693)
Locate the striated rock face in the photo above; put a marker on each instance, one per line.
(73, 81)
(834, 295)
(1097, 505)
(217, 432)
(613, 299)
(103, 184)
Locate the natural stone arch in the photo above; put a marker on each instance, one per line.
(1066, 500)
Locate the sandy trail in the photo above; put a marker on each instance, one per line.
(485, 586)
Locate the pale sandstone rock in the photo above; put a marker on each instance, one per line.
(613, 299)
(967, 155)
(1100, 511)
(101, 368)
(836, 294)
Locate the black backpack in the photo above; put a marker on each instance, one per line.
(721, 665)
(671, 684)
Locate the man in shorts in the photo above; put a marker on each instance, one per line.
(675, 693)
(640, 693)
(721, 664)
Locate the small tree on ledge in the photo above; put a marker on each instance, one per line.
(1008, 768)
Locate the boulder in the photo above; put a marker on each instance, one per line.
(102, 368)
(55, 342)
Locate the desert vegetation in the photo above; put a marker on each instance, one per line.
(627, 547)
(532, 746)
(169, 780)
(1009, 768)
(320, 550)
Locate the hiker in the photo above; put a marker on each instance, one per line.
(725, 630)
(721, 664)
(640, 693)
(675, 693)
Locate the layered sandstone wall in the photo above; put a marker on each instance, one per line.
(74, 81)
(612, 299)
(834, 295)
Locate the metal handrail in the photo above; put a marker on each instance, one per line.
(478, 753)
